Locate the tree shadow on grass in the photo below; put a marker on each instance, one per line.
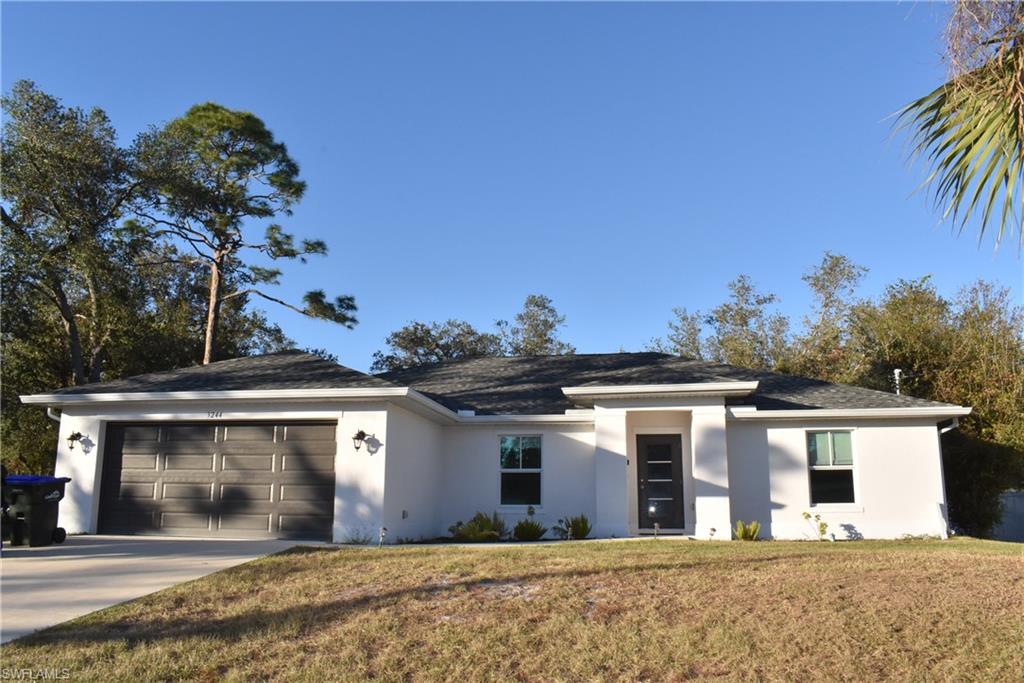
(316, 616)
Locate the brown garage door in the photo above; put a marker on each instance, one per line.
(234, 479)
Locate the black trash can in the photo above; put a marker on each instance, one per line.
(32, 501)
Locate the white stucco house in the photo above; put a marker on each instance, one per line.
(291, 445)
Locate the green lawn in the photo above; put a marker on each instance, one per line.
(627, 610)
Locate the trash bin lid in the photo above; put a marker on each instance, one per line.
(30, 479)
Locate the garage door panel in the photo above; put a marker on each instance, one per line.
(188, 491)
(178, 461)
(187, 448)
(291, 525)
(302, 492)
(184, 520)
(322, 465)
(136, 491)
(235, 462)
(246, 522)
(139, 462)
(223, 479)
(261, 433)
(310, 432)
(134, 521)
(247, 448)
(187, 432)
(303, 507)
(246, 492)
(133, 433)
(141, 448)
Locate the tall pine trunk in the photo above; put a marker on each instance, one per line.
(213, 308)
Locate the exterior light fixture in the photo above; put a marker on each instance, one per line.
(358, 438)
(72, 438)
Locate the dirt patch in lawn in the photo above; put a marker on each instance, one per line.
(648, 610)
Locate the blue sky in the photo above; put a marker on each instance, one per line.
(622, 159)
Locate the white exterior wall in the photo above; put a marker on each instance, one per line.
(359, 475)
(611, 473)
(439, 474)
(710, 473)
(413, 476)
(78, 511)
(897, 473)
(471, 479)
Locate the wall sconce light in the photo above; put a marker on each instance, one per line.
(358, 438)
(73, 437)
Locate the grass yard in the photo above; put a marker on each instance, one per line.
(628, 610)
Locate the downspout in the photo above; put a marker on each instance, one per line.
(953, 424)
(52, 415)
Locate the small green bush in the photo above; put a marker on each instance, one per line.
(481, 528)
(747, 532)
(573, 527)
(528, 529)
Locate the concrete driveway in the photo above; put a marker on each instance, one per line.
(40, 587)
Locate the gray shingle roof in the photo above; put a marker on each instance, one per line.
(529, 385)
(533, 385)
(284, 370)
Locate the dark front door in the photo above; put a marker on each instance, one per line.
(660, 479)
(227, 479)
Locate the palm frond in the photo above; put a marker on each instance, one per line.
(971, 134)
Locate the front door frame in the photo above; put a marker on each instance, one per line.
(689, 512)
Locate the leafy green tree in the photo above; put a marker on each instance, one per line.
(535, 330)
(160, 326)
(65, 185)
(210, 175)
(421, 343)
(684, 336)
(985, 365)
(911, 329)
(971, 128)
(744, 332)
(821, 350)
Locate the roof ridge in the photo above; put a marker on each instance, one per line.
(467, 359)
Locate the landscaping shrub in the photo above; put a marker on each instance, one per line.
(481, 528)
(573, 527)
(747, 532)
(820, 526)
(528, 529)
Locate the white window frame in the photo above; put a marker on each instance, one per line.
(521, 470)
(849, 505)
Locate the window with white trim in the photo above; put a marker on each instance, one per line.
(830, 458)
(520, 470)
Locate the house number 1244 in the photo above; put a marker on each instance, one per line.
(215, 413)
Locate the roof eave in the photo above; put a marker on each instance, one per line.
(228, 395)
(938, 412)
(586, 395)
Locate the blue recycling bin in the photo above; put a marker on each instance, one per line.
(31, 503)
